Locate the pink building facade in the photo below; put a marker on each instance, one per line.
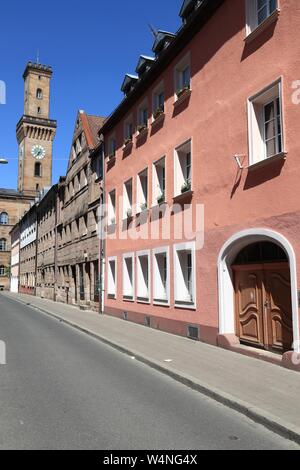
(209, 132)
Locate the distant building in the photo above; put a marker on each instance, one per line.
(77, 217)
(35, 135)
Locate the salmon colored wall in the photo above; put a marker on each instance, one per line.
(226, 71)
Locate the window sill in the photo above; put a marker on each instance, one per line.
(180, 99)
(183, 196)
(185, 305)
(161, 303)
(268, 161)
(262, 27)
(141, 300)
(159, 119)
(142, 133)
(128, 298)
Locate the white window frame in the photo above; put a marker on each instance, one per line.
(112, 208)
(141, 299)
(179, 177)
(110, 294)
(140, 196)
(252, 15)
(256, 122)
(126, 297)
(156, 187)
(178, 71)
(184, 303)
(127, 205)
(156, 252)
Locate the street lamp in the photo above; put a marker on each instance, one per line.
(3, 161)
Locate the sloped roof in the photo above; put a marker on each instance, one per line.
(91, 126)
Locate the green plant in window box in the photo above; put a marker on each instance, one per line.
(127, 141)
(186, 187)
(144, 207)
(161, 198)
(158, 112)
(113, 221)
(129, 213)
(141, 128)
(183, 90)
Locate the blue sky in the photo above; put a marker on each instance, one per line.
(90, 45)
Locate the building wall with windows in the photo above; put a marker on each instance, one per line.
(28, 250)
(225, 138)
(77, 217)
(15, 258)
(46, 245)
(12, 207)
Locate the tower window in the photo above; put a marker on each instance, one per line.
(39, 110)
(37, 169)
(39, 94)
(4, 218)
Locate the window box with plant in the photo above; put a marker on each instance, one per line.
(127, 141)
(183, 91)
(144, 206)
(161, 198)
(186, 187)
(158, 112)
(142, 128)
(129, 213)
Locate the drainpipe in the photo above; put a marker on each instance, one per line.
(102, 247)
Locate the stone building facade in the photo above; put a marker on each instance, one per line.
(77, 207)
(46, 245)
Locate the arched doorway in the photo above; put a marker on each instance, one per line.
(262, 289)
(258, 299)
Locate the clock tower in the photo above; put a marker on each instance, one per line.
(36, 132)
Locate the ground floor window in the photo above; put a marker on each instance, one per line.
(143, 277)
(128, 277)
(184, 275)
(161, 270)
(112, 281)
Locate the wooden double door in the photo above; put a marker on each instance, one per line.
(263, 306)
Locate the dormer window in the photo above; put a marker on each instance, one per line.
(39, 94)
(188, 7)
(129, 83)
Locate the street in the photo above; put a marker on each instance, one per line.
(62, 389)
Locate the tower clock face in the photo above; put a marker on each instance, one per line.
(38, 152)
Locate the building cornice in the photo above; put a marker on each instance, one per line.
(192, 26)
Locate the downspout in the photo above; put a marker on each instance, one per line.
(102, 246)
(55, 242)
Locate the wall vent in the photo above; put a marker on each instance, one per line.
(125, 316)
(193, 332)
(148, 321)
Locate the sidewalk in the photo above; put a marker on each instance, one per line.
(267, 393)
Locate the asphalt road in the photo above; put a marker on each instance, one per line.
(62, 389)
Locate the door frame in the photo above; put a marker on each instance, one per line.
(226, 258)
